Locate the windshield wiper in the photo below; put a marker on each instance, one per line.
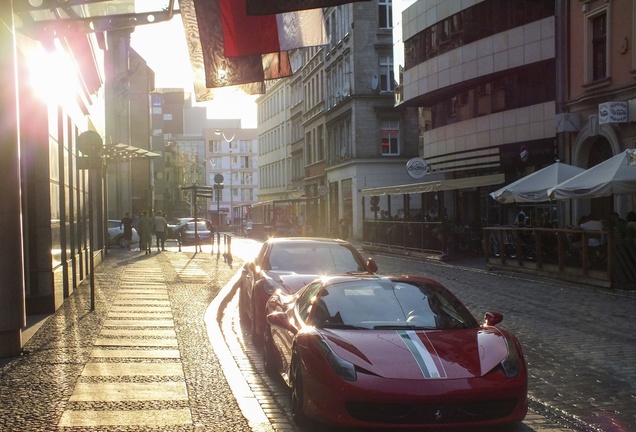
(402, 327)
(329, 325)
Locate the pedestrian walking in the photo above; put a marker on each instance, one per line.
(145, 232)
(161, 231)
(344, 229)
(127, 223)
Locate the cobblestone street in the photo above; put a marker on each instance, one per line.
(149, 356)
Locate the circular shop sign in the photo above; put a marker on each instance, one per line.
(417, 168)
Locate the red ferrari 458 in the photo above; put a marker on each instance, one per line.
(393, 352)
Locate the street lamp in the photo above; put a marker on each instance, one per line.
(229, 141)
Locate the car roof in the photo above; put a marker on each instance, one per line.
(336, 279)
(274, 240)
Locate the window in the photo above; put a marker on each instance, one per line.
(485, 18)
(216, 146)
(390, 138)
(385, 12)
(599, 47)
(387, 81)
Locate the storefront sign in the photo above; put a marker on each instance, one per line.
(613, 112)
(417, 168)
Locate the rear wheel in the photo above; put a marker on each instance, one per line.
(257, 338)
(242, 303)
(271, 358)
(297, 392)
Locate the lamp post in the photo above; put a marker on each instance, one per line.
(231, 197)
(229, 141)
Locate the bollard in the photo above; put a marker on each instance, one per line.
(227, 256)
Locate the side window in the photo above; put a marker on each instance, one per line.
(305, 301)
(259, 258)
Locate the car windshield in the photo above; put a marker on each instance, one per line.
(314, 258)
(201, 226)
(384, 304)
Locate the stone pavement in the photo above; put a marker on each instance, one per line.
(141, 360)
(145, 358)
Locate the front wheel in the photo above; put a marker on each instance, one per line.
(297, 392)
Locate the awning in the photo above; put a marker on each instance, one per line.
(125, 151)
(437, 185)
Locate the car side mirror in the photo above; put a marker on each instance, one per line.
(279, 319)
(492, 319)
(372, 266)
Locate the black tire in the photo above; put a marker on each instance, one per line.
(257, 338)
(297, 392)
(271, 357)
(242, 303)
(121, 241)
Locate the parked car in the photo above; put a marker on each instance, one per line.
(116, 234)
(392, 353)
(289, 264)
(193, 230)
(175, 228)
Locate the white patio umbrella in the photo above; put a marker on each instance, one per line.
(616, 175)
(534, 187)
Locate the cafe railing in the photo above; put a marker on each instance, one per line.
(568, 254)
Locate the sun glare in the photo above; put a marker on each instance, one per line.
(53, 75)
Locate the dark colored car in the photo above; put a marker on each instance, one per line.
(200, 230)
(288, 264)
(176, 228)
(393, 353)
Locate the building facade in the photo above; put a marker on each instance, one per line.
(45, 190)
(231, 152)
(598, 106)
(343, 128)
(483, 77)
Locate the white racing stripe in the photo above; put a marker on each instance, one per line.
(422, 355)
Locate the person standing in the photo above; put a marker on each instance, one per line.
(161, 230)
(127, 223)
(145, 232)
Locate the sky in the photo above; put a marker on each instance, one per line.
(163, 46)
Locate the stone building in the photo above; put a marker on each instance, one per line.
(335, 122)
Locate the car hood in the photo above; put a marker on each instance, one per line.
(290, 281)
(436, 354)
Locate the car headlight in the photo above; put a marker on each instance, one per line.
(270, 286)
(511, 365)
(344, 369)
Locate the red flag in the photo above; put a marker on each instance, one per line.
(270, 7)
(247, 35)
(204, 36)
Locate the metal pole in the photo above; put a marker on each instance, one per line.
(218, 228)
(91, 258)
(231, 195)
